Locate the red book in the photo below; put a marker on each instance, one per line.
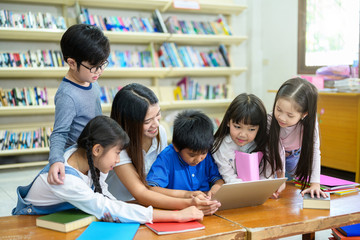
(174, 227)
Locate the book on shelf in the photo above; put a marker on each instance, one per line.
(159, 21)
(31, 20)
(108, 230)
(65, 221)
(189, 89)
(171, 55)
(120, 23)
(315, 202)
(37, 138)
(339, 236)
(350, 230)
(32, 58)
(174, 227)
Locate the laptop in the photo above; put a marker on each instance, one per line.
(245, 194)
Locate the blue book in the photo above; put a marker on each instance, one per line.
(107, 230)
(351, 230)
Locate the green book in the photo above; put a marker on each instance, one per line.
(65, 221)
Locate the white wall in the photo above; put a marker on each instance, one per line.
(272, 46)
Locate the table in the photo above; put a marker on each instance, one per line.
(24, 227)
(283, 217)
(276, 218)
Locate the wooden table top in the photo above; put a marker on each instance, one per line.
(285, 216)
(24, 227)
(276, 218)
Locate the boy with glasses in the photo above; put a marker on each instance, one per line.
(85, 49)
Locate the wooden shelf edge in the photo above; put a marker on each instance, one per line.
(168, 105)
(24, 72)
(126, 4)
(17, 152)
(20, 165)
(19, 34)
(27, 110)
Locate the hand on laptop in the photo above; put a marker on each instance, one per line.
(207, 206)
(280, 189)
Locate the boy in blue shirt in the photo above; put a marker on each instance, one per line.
(185, 168)
(85, 49)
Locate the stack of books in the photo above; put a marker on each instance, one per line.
(10, 19)
(189, 89)
(151, 24)
(335, 185)
(170, 55)
(347, 232)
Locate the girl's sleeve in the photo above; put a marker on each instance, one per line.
(213, 171)
(76, 192)
(315, 174)
(163, 138)
(225, 161)
(104, 186)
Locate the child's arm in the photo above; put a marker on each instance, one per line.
(131, 180)
(178, 193)
(314, 188)
(280, 174)
(184, 215)
(215, 187)
(64, 115)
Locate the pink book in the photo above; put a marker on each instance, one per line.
(247, 165)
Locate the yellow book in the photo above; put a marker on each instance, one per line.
(177, 94)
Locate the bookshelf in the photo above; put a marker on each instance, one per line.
(158, 76)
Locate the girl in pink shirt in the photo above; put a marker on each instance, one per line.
(294, 145)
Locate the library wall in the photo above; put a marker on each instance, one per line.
(237, 80)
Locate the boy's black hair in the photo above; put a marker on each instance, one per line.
(106, 132)
(193, 130)
(84, 42)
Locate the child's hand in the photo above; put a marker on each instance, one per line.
(189, 214)
(314, 190)
(191, 194)
(56, 173)
(207, 206)
(108, 218)
(280, 189)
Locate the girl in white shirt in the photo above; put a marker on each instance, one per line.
(243, 129)
(136, 108)
(294, 145)
(86, 167)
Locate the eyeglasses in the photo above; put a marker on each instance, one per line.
(95, 69)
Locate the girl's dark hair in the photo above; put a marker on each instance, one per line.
(250, 110)
(84, 42)
(129, 109)
(304, 95)
(106, 132)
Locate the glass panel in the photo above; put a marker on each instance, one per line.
(332, 32)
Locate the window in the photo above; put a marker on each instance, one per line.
(328, 33)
